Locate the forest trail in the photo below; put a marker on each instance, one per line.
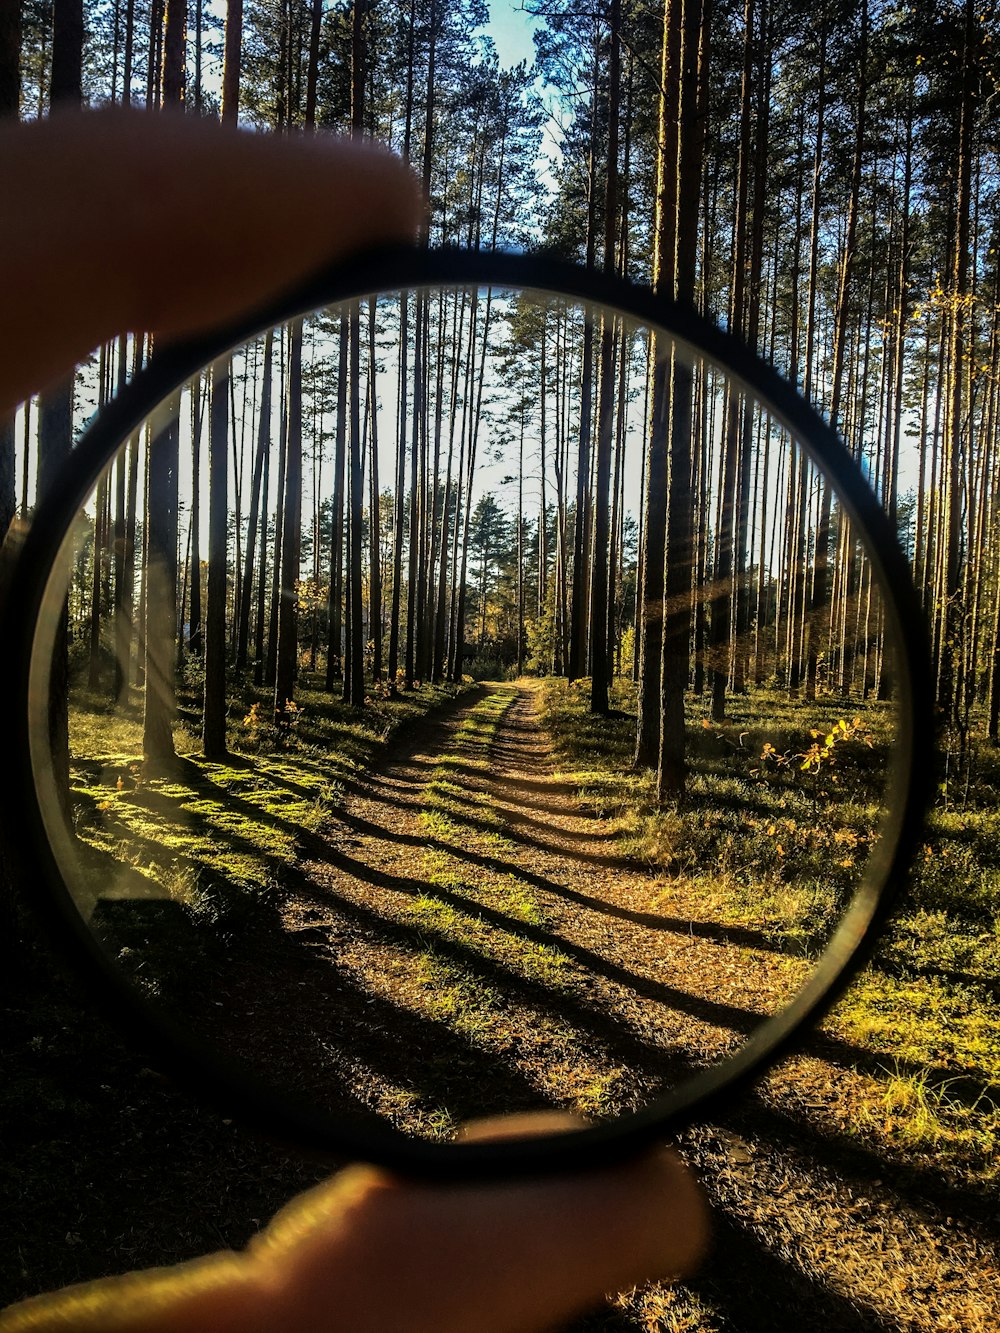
(466, 890)
(499, 954)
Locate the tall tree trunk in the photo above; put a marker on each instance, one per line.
(415, 497)
(356, 684)
(600, 670)
(102, 544)
(257, 515)
(55, 406)
(291, 535)
(820, 590)
(174, 27)
(271, 659)
(579, 607)
(160, 583)
(334, 665)
(122, 632)
(543, 537)
(195, 627)
(679, 560)
(520, 545)
(655, 498)
(726, 558)
(441, 637)
(10, 61)
(260, 637)
(214, 716)
(741, 586)
(231, 62)
(160, 575)
(799, 593)
(954, 614)
(125, 619)
(399, 514)
(220, 382)
(312, 65)
(375, 511)
(355, 691)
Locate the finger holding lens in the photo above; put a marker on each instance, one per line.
(612, 896)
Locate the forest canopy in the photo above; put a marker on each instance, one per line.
(821, 183)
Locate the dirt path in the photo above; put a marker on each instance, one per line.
(465, 938)
(485, 949)
(466, 891)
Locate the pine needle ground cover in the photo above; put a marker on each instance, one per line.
(216, 836)
(870, 1159)
(926, 1011)
(441, 927)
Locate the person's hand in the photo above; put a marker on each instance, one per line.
(370, 1253)
(138, 222)
(119, 220)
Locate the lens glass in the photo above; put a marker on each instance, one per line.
(331, 627)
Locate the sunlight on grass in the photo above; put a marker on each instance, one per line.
(531, 959)
(915, 1112)
(923, 1020)
(750, 843)
(458, 998)
(446, 802)
(220, 831)
(764, 845)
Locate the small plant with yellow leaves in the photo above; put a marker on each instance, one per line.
(254, 727)
(817, 759)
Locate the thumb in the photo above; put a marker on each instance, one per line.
(512, 1257)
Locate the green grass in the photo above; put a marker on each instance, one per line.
(915, 1111)
(458, 997)
(220, 836)
(768, 846)
(451, 810)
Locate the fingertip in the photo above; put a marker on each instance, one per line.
(654, 1195)
(678, 1219)
(134, 220)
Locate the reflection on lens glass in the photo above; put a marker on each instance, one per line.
(476, 703)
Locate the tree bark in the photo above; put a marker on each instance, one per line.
(257, 517)
(214, 716)
(291, 535)
(679, 562)
(654, 524)
(161, 592)
(954, 613)
(600, 668)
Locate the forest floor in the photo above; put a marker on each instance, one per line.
(464, 935)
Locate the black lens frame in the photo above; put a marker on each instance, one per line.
(201, 1068)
